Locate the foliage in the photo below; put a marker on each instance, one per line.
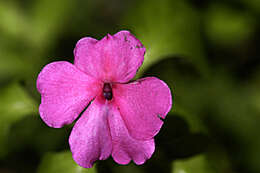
(206, 51)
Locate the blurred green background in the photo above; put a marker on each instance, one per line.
(207, 51)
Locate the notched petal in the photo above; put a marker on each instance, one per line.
(112, 59)
(65, 92)
(143, 104)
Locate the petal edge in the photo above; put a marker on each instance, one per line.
(90, 139)
(126, 148)
(65, 92)
(112, 59)
(142, 103)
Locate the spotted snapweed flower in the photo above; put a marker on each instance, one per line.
(122, 117)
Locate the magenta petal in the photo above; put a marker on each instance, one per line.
(126, 148)
(65, 92)
(113, 59)
(90, 139)
(142, 103)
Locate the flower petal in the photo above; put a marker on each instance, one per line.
(126, 148)
(142, 104)
(65, 92)
(90, 139)
(113, 59)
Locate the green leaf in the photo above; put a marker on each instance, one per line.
(48, 19)
(185, 81)
(15, 104)
(197, 164)
(252, 4)
(13, 64)
(227, 26)
(218, 159)
(32, 132)
(167, 28)
(177, 140)
(61, 162)
(13, 21)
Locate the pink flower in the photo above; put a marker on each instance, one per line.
(123, 117)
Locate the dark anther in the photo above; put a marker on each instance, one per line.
(107, 91)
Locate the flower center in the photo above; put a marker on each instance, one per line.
(107, 91)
